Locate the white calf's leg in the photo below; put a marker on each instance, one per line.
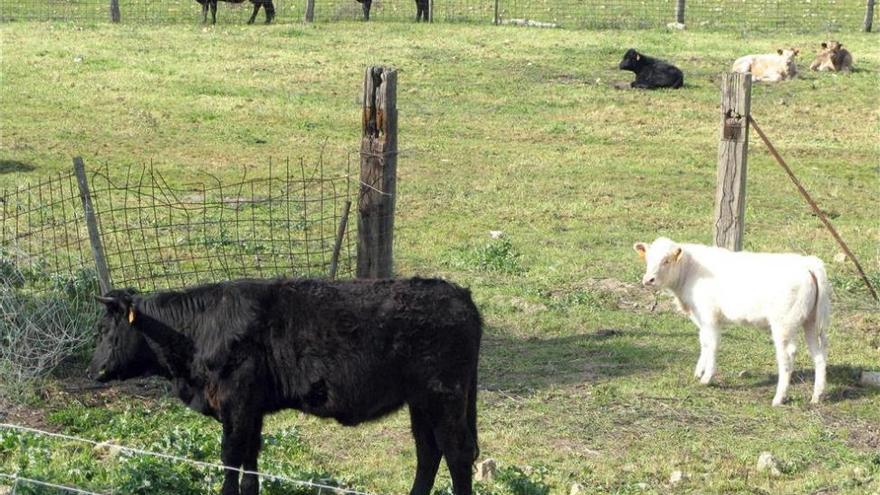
(708, 347)
(818, 351)
(785, 347)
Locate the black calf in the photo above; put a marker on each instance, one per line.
(266, 4)
(651, 73)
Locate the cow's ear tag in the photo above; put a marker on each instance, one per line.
(678, 254)
(638, 57)
(131, 315)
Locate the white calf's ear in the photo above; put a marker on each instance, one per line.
(779, 51)
(677, 254)
(824, 45)
(640, 248)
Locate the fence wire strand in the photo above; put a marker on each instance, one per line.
(827, 15)
(201, 464)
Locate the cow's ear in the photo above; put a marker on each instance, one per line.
(824, 45)
(677, 254)
(114, 304)
(640, 248)
(796, 50)
(779, 51)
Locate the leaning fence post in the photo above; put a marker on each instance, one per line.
(114, 11)
(378, 178)
(310, 11)
(730, 194)
(679, 11)
(869, 15)
(79, 169)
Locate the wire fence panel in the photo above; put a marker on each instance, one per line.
(158, 236)
(805, 15)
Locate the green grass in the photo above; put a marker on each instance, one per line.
(521, 131)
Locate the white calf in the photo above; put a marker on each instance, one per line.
(770, 66)
(714, 286)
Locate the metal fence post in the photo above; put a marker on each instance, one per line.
(378, 178)
(730, 193)
(92, 223)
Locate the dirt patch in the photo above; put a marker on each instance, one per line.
(623, 295)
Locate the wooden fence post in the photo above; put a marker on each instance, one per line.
(679, 11)
(310, 11)
(430, 10)
(115, 16)
(869, 15)
(378, 180)
(730, 194)
(497, 19)
(79, 169)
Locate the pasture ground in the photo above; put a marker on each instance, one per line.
(584, 378)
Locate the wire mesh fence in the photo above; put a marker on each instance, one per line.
(806, 15)
(159, 236)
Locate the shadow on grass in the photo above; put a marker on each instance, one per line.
(12, 166)
(843, 381)
(523, 365)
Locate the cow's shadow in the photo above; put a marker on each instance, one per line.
(523, 365)
(12, 166)
(843, 383)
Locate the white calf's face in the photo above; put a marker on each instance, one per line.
(662, 259)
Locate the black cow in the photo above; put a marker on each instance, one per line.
(651, 73)
(266, 4)
(353, 351)
(421, 9)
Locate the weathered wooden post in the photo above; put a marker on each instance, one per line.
(79, 169)
(730, 195)
(497, 19)
(310, 11)
(869, 15)
(430, 10)
(115, 16)
(679, 11)
(378, 182)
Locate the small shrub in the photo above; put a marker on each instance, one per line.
(498, 256)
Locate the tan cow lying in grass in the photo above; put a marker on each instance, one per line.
(833, 57)
(770, 66)
(714, 286)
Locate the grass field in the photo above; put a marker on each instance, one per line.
(584, 379)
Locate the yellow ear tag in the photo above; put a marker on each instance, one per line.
(679, 254)
(641, 253)
(130, 315)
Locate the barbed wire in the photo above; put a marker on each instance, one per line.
(202, 464)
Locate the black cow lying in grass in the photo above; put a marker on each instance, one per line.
(266, 4)
(651, 73)
(421, 9)
(353, 351)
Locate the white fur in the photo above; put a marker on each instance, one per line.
(714, 286)
(770, 67)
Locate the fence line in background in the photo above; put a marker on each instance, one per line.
(202, 464)
(848, 15)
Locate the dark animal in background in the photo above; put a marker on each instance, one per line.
(366, 5)
(353, 351)
(421, 9)
(266, 4)
(651, 73)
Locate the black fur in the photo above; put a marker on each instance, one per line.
(266, 4)
(421, 9)
(651, 73)
(353, 351)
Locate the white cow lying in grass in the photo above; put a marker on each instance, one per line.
(770, 67)
(714, 286)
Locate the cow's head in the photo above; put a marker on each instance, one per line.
(663, 260)
(831, 46)
(788, 53)
(631, 60)
(121, 352)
